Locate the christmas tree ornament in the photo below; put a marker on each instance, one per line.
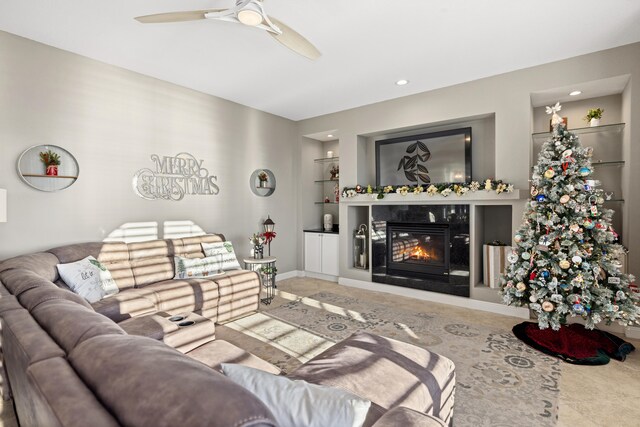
(512, 258)
(540, 198)
(564, 264)
(574, 227)
(545, 274)
(576, 259)
(545, 240)
(567, 153)
(584, 171)
(549, 173)
(548, 306)
(517, 238)
(532, 275)
(533, 298)
(578, 308)
(565, 198)
(534, 192)
(564, 286)
(521, 286)
(525, 255)
(588, 224)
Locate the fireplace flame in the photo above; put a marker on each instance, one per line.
(419, 253)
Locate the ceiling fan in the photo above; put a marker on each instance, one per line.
(247, 12)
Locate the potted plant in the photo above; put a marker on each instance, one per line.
(264, 178)
(51, 162)
(593, 116)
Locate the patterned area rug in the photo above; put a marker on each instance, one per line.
(500, 381)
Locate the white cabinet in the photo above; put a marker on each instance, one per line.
(321, 253)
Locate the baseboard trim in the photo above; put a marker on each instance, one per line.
(290, 275)
(632, 332)
(490, 307)
(320, 276)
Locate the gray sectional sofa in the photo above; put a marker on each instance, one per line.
(123, 361)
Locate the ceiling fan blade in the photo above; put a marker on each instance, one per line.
(294, 41)
(192, 15)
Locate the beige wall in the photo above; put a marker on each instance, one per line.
(508, 96)
(112, 120)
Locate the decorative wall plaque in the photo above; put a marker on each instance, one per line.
(173, 178)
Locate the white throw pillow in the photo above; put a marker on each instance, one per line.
(296, 403)
(88, 278)
(223, 250)
(193, 268)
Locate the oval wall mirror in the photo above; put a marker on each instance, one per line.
(262, 182)
(48, 168)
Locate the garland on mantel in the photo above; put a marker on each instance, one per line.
(443, 189)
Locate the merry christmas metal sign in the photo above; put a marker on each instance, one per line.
(173, 178)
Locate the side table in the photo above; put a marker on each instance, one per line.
(266, 268)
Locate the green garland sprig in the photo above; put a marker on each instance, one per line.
(442, 189)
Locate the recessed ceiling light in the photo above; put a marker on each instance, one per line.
(575, 93)
(330, 136)
(402, 82)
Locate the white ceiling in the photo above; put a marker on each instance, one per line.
(367, 44)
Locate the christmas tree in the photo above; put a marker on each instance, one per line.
(565, 261)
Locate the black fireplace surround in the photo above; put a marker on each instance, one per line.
(422, 247)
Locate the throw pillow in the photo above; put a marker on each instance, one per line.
(188, 268)
(88, 278)
(299, 403)
(223, 250)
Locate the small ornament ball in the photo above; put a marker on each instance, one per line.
(512, 258)
(588, 224)
(574, 227)
(564, 264)
(576, 259)
(549, 173)
(578, 308)
(565, 198)
(540, 198)
(526, 255)
(517, 238)
(521, 286)
(547, 306)
(545, 274)
(567, 153)
(584, 171)
(532, 298)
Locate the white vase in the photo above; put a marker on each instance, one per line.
(594, 122)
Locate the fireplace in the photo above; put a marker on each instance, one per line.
(418, 250)
(422, 247)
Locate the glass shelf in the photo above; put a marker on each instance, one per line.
(326, 180)
(616, 127)
(326, 160)
(608, 163)
(327, 203)
(614, 200)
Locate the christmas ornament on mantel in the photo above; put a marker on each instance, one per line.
(565, 261)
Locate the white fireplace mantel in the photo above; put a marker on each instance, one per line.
(423, 198)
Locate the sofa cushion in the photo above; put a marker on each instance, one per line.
(189, 295)
(126, 304)
(145, 383)
(405, 417)
(152, 261)
(388, 372)
(214, 353)
(88, 278)
(70, 324)
(41, 263)
(114, 255)
(308, 405)
(31, 298)
(234, 308)
(58, 397)
(191, 247)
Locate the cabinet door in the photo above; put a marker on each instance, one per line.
(330, 254)
(313, 252)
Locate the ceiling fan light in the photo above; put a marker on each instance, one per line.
(250, 17)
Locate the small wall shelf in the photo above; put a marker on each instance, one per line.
(48, 176)
(326, 180)
(327, 203)
(611, 163)
(326, 159)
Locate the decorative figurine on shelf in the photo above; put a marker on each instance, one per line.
(361, 247)
(264, 179)
(258, 241)
(51, 162)
(269, 234)
(593, 116)
(335, 172)
(336, 192)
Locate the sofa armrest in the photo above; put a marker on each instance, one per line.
(405, 417)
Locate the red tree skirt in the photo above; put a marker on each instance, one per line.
(574, 344)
